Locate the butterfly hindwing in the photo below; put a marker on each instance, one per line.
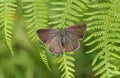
(71, 42)
(55, 45)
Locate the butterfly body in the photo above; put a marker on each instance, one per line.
(62, 40)
(62, 35)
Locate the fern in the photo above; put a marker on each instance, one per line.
(65, 61)
(7, 10)
(45, 60)
(71, 13)
(104, 29)
(36, 13)
(67, 13)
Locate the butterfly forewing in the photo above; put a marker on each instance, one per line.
(77, 30)
(46, 35)
(51, 38)
(73, 34)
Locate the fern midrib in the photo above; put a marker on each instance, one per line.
(34, 15)
(63, 17)
(65, 12)
(35, 19)
(65, 65)
(6, 19)
(106, 50)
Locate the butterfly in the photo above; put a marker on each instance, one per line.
(62, 40)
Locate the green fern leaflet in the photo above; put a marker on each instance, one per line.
(7, 11)
(36, 13)
(104, 37)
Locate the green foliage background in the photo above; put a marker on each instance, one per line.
(22, 55)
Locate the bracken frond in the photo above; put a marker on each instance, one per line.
(44, 58)
(66, 14)
(104, 30)
(66, 65)
(36, 14)
(69, 13)
(7, 11)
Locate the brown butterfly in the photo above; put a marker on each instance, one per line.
(62, 40)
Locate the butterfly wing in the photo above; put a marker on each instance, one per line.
(55, 45)
(73, 34)
(46, 35)
(51, 38)
(71, 43)
(77, 30)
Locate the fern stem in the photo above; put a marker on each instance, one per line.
(65, 12)
(37, 18)
(7, 12)
(65, 65)
(106, 32)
